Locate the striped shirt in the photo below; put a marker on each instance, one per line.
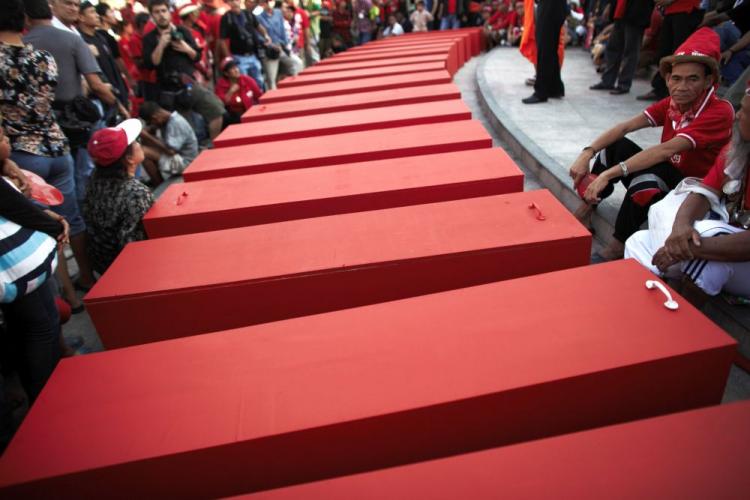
(27, 259)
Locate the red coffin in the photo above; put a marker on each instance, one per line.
(450, 50)
(314, 192)
(398, 61)
(353, 86)
(357, 74)
(406, 45)
(379, 386)
(337, 149)
(461, 43)
(206, 282)
(695, 454)
(343, 121)
(346, 102)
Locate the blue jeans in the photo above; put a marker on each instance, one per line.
(34, 337)
(59, 172)
(449, 21)
(250, 65)
(364, 37)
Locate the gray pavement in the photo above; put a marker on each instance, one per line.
(550, 136)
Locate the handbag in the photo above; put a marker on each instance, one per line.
(22, 271)
(273, 52)
(77, 119)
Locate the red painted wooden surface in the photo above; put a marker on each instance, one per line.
(277, 271)
(391, 384)
(194, 207)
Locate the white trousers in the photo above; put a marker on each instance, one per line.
(711, 276)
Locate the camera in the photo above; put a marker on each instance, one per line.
(176, 35)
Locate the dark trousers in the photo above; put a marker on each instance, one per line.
(621, 55)
(644, 188)
(33, 329)
(550, 16)
(675, 29)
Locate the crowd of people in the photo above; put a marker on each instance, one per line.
(106, 102)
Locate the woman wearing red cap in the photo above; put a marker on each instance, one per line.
(238, 92)
(115, 201)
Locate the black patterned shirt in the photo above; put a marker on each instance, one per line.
(114, 210)
(28, 78)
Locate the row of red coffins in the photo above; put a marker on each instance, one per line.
(389, 384)
(367, 349)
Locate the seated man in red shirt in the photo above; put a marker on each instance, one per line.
(719, 206)
(238, 92)
(696, 126)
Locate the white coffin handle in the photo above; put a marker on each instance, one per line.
(670, 304)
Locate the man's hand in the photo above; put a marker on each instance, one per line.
(181, 46)
(726, 56)
(233, 88)
(579, 170)
(64, 237)
(680, 244)
(663, 260)
(165, 37)
(591, 195)
(13, 172)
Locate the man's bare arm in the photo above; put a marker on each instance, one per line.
(580, 167)
(726, 248)
(102, 90)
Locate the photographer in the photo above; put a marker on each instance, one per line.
(172, 52)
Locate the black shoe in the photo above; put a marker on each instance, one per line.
(534, 99)
(558, 96)
(601, 86)
(619, 91)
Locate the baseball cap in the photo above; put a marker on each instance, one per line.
(107, 145)
(227, 63)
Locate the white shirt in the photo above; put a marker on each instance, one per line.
(59, 25)
(393, 31)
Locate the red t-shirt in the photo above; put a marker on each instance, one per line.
(679, 6)
(499, 20)
(709, 132)
(451, 6)
(136, 51)
(716, 176)
(243, 99)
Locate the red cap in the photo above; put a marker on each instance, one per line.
(107, 145)
(226, 62)
(702, 47)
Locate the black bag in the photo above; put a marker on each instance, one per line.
(273, 52)
(77, 119)
(175, 91)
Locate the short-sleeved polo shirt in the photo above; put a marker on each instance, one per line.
(708, 133)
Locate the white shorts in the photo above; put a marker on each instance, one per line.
(711, 276)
